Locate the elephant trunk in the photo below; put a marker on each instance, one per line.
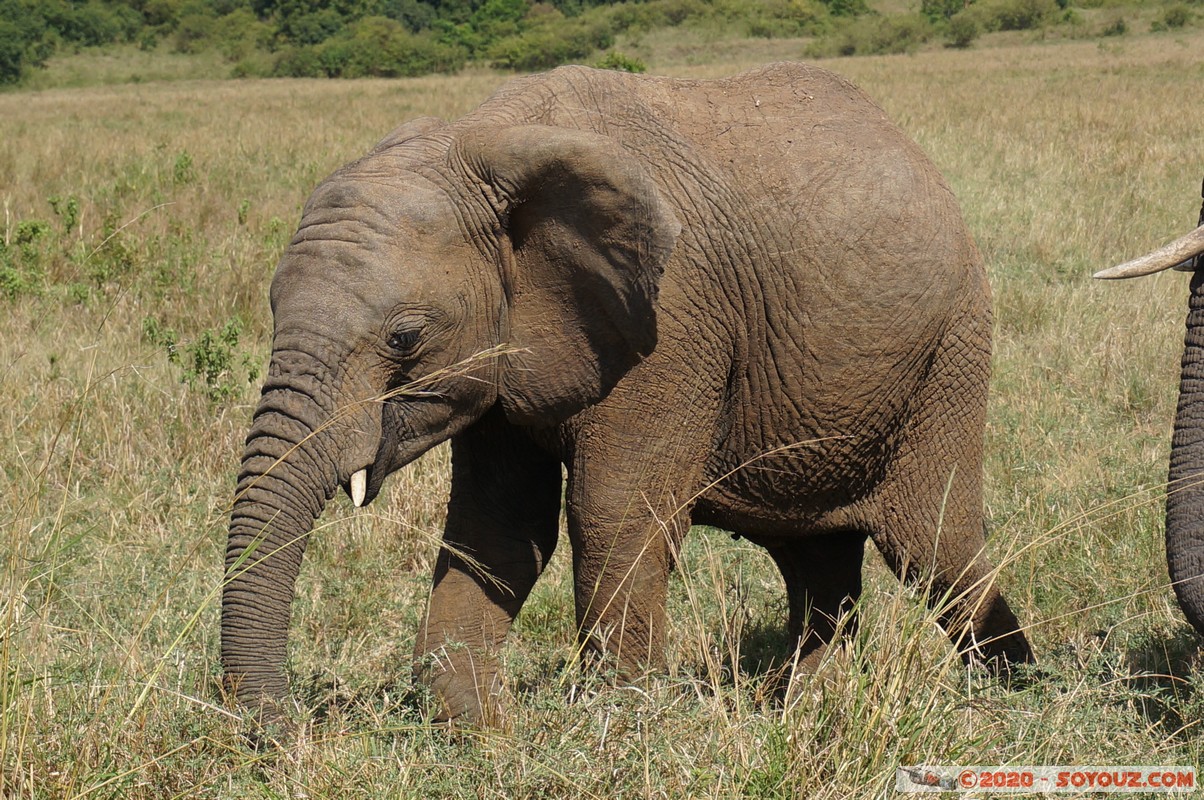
(1185, 490)
(1185, 499)
(285, 481)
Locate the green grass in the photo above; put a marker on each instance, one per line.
(116, 477)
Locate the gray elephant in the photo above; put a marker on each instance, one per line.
(748, 303)
(1185, 483)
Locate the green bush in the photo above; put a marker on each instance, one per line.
(389, 50)
(782, 18)
(938, 10)
(415, 15)
(26, 39)
(1176, 16)
(1012, 15)
(542, 49)
(22, 270)
(963, 30)
(641, 17)
(898, 33)
(13, 61)
(556, 40)
(373, 47)
(223, 7)
(161, 13)
(846, 8)
(67, 209)
(335, 59)
(193, 32)
(621, 63)
(212, 363)
(312, 28)
(183, 171)
(239, 35)
(298, 62)
(89, 24)
(497, 19)
(493, 21)
(680, 11)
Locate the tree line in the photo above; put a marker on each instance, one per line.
(354, 38)
(395, 38)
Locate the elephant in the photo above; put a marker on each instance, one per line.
(748, 303)
(1185, 494)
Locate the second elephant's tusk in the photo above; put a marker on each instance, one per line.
(1175, 253)
(359, 487)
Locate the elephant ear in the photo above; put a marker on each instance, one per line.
(583, 240)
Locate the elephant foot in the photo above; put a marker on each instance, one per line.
(814, 660)
(278, 732)
(465, 691)
(1010, 660)
(995, 641)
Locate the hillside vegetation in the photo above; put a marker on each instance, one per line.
(140, 226)
(394, 38)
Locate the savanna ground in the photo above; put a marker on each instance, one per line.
(139, 215)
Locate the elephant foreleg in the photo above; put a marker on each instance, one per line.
(630, 499)
(621, 565)
(502, 526)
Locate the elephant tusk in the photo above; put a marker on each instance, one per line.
(359, 487)
(1172, 255)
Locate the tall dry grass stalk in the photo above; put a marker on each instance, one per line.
(116, 478)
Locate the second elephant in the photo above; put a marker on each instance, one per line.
(749, 303)
(1185, 488)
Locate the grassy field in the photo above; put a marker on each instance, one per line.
(138, 215)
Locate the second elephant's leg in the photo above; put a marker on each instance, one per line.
(823, 582)
(502, 526)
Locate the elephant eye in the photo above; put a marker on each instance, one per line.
(403, 341)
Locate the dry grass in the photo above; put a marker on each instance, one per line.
(115, 478)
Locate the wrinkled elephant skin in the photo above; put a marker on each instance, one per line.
(749, 303)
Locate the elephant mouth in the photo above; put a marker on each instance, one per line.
(401, 443)
(365, 483)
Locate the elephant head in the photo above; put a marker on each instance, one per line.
(448, 271)
(1185, 491)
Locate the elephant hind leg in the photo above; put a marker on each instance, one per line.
(929, 510)
(823, 583)
(960, 585)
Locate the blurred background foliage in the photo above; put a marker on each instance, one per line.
(395, 38)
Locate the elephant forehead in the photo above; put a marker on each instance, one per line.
(353, 210)
(335, 275)
(356, 281)
(367, 245)
(375, 232)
